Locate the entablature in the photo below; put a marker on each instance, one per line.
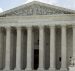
(68, 19)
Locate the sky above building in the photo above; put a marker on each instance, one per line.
(8, 4)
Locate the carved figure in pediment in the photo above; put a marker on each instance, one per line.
(29, 11)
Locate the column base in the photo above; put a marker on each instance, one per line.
(28, 69)
(51, 69)
(63, 69)
(41, 69)
(7, 69)
(17, 69)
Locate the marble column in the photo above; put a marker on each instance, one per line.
(73, 58)
(1, 47)
(8, 46)
(41, 48)
(18, 49)
(52, 48)
(63, 49)
(29, 48)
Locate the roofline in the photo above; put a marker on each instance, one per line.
(54, 6)
(37, 2)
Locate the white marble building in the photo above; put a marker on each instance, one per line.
(37, 36)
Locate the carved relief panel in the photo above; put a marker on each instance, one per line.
(35, 9)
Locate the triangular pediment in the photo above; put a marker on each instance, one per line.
(36, 8)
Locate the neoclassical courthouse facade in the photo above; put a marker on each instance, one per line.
(37, 36)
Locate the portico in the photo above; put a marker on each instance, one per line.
(28, 38)
(30, 44)
(37, 36)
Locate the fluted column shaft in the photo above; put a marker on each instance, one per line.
(63, 48)
(29, 48)
(52, 48)
(1, 47)
(73, 58)
(18, 49)
(41, 48)
(8, 41)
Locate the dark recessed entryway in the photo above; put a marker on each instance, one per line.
(36, 58)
